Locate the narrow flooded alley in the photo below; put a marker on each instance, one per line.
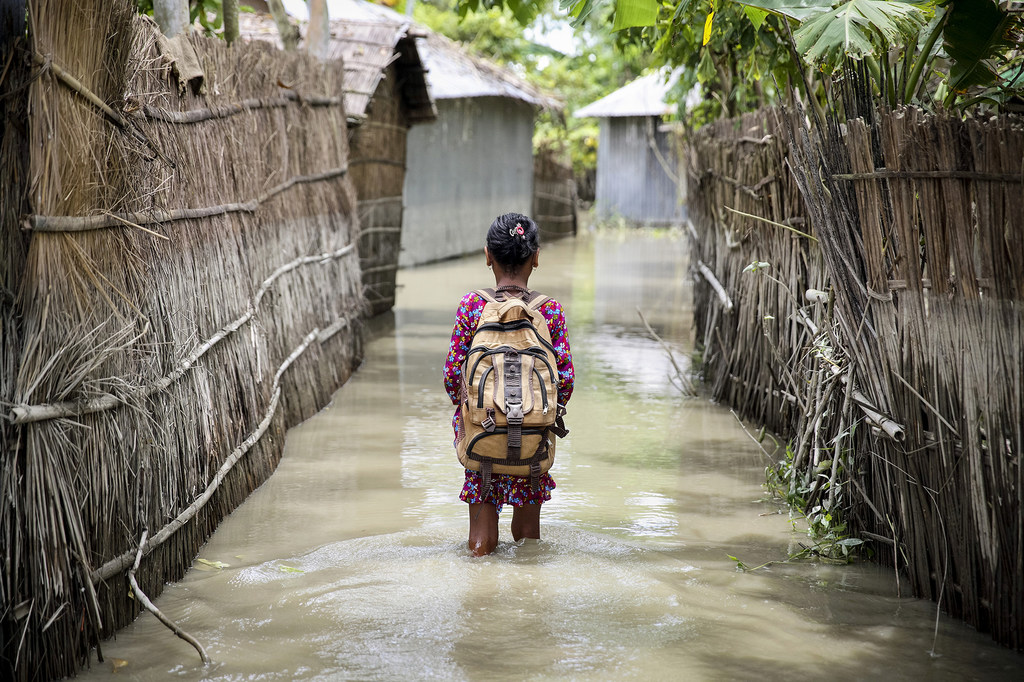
(350, 563)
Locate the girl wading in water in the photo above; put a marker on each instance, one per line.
(513, 391)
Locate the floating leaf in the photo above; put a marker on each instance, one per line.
(290, 569)
(214, 564)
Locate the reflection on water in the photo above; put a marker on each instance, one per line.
(350, 562)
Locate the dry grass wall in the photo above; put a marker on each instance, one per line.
(189, 290)
(886, 342)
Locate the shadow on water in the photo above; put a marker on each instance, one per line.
(350, 562)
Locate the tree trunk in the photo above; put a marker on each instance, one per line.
(230, 9)
(172, 16)
(318, 34)
(288, 31)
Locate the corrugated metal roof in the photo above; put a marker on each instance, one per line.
(643, 97)
(454, 73)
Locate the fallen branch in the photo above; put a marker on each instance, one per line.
(151, 607)
(686, 386)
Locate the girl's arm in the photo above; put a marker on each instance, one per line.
(553, 313)
(466, 319)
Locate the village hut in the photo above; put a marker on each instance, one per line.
(638, 174)
(385, 93)
(476, 161)
(180, 284)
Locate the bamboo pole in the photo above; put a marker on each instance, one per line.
(151, 607)
(242, 106)
(41, 223)
(723, 296)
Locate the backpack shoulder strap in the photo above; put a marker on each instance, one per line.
(489, 295)
(536, 300)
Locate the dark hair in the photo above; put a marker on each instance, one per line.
(509, 248)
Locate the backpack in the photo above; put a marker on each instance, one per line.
(509, 394)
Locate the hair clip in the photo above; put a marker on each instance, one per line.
(517, 230)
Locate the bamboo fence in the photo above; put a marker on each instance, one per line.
(185, 287)
(899, 314)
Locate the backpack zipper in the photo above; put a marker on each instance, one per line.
(535, 351)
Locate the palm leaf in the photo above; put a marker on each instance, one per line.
(858, 28)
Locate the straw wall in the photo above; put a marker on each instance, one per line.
(554, 195)
(190, 289)
(378, 173)
(901, 389)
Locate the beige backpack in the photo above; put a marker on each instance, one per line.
(509, 395)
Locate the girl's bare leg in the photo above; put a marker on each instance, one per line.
(483, 528)
(526, 522)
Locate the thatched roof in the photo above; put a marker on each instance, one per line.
(368, 39)
(643, 97)
(453, 72)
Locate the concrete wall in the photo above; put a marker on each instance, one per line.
(631, 181)
(471, 165)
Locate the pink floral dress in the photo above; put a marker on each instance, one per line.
(505, 489)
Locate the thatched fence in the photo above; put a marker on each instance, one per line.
(554, 195)
(180, 285)
(885, 343)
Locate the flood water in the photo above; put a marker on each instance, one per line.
(350, 563)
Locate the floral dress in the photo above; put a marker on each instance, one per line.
(505, 488)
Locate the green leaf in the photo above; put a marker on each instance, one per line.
(290, 569)
(756, 16)
(974, 33)
(794, 9)
(858, 28)
(630, 13)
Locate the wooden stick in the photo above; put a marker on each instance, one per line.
(249, 104)
(772, 222)
(716, 285)
(76, 85)
(41, 223)
(938, 174)
(145, 601)
(686, 384)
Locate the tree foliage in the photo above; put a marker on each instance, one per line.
(953, 53)
(602, 62)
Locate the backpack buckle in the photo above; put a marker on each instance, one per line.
(514, 412)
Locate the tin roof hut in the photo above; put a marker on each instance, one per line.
(385, 93)
(638, 174)
(476, 161)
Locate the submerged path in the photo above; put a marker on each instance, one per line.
(350, 562)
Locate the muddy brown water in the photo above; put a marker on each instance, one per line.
(350, 562)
